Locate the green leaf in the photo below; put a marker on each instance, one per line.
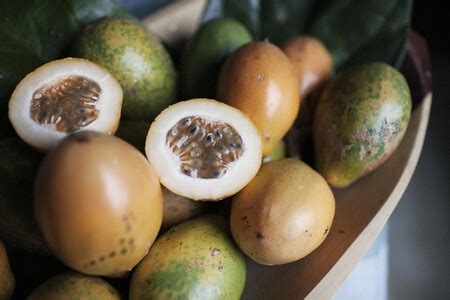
(33, 32)
(354, 31)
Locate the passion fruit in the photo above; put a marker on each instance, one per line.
(259, 79)
(194, 260)
(203, 149)
(7, 280)
(361, 118)
(98, 203)
(283, 214)
(65, 96)
(71, 285)
(137, 58)
(177, 209)
(204, 54)
(312, 62)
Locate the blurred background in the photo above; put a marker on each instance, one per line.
(411, 257)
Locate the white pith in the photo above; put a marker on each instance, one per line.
(166, 163)
(44, 137)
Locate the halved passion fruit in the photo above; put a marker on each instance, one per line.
(204, 149)
(62, 97)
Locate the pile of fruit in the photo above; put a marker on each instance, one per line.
(146, 205)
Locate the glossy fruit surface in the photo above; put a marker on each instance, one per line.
(98, 203)
(283, 214)
(260, 80)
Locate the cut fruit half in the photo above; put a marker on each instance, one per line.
(204, 149)
(65, 96)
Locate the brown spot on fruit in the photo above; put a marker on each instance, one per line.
(215, 252)
(99, 175)
(259, 236)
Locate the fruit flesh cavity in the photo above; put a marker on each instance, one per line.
(64, 96)
(167, 164)
(67, 105)
(205, 148)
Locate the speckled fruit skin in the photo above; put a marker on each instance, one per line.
(7, 281)
(360, 120)
(71, 286)
(283, 214)
(260, 80)
(98, 203)
(205, 53)
(177, 209)
(137, 59)
(194, 260)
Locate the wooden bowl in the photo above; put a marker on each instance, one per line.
(361, 209)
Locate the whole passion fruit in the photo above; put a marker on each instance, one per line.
(65, 96)
(283, 214)
(194, 260)
(137, 58)
(259, 79)
(98, 203)
(361, 118)
(203, 149)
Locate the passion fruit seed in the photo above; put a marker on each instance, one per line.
(205, 148)
(66, 105)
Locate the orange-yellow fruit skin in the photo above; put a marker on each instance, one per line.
(259, 80)
(312, 62)
(283, 214)
(98, 203)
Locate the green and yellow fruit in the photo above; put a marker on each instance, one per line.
(7, 280)
(206, 52)
(360, 120)
(283, 214)
(98, 203)
(72, 286)
(194, 260)
(260, 80)
(137, 59)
